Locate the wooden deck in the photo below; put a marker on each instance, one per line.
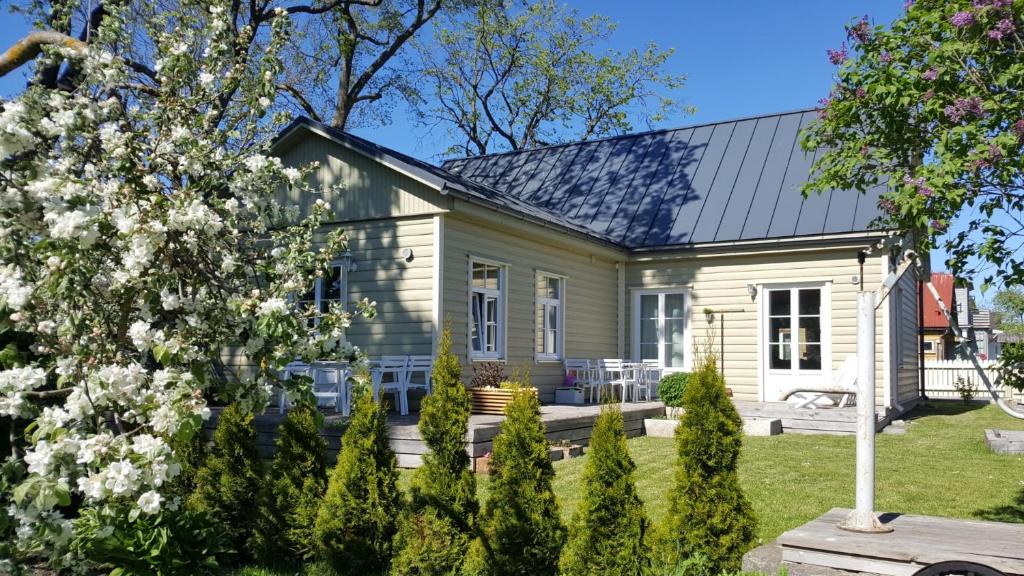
(915, 542)
(808, 420)
(571, 423)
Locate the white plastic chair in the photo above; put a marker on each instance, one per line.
(613, 372)
(393, 366)
(647, 380)
(581, 369)
(290, 370)
(419, 365)
(330, 385)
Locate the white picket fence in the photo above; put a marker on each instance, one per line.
(941, 376)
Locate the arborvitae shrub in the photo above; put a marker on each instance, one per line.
(292, 491)
(608, 532)
(708, 513)
(191, 454)
(520, 523)
(228, 483)
(672, 387)
(435, 532)
(356, 521)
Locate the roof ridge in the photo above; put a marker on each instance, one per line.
(636, 134)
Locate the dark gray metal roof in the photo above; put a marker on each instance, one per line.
(727, 181)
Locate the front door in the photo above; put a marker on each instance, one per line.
(795, 341)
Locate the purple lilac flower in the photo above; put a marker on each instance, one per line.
(962, 19)
(930, 74)
(860, 92)
(859, 32)
(839, 56)
(1018, 128)
(925, 191)
(928, 95)
(995, 152)
(1003, 28)
(938, 226)
(907, 4)
(887, 205)
(964, 106)
(885, 57)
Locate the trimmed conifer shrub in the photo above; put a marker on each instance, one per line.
(292, 491)
(356, 521)
(608, 532)
(228, 483)
(520, 526)
(708, 514)
(435, 532)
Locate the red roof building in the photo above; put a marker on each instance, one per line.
(934, 319)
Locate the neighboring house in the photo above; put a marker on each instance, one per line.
(614, 248)
(938, 340)
(984, 334)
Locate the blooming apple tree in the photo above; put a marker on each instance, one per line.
(139, 237)
(934, 105)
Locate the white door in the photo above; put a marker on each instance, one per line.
(795, 339)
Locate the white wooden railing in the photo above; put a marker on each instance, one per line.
(941, 376)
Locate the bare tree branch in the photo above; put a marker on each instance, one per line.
(26, 49)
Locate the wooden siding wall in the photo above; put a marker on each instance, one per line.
(368, 189)
(904, 349)
(591, 294)
(720, 282)
(403, 290)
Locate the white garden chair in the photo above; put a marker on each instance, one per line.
(419, 365)
(331, 385)
(290, 370)
(613, 372)
(583, 372)
(388, 376)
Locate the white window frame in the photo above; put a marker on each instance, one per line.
(824, 323)
(546, 302)
(928, 346)
(318, 290)
(501, 320)
(687, 332)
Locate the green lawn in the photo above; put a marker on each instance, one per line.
(939, 467)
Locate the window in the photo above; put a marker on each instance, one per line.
(326, 289)
(487, 309)
(794, 329)
(549, 331)
(929, 346)
(660, 327)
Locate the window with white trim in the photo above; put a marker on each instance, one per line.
(550, 326)
(928, 346)
(326, 289)
(487, 309)
(659, 327)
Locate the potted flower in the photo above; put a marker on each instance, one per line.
(491, 391)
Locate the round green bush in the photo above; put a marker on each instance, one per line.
(672, 387)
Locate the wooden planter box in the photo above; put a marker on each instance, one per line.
(492, 400)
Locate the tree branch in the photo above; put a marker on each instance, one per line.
(32, 45)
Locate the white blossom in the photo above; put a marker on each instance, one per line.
(273, 306)
(150, 501)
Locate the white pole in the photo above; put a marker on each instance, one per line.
(862, 518)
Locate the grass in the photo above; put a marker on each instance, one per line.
(939, 467)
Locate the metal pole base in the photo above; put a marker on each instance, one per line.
(862, 522)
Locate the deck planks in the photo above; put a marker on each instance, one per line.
(915, 542)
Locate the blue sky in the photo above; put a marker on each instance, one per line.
(741, 57)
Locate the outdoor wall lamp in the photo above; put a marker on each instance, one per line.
(347, 262)
(752, 290)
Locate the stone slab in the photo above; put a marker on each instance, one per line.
(762, 426)
(660, 427)
(1005, 441)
